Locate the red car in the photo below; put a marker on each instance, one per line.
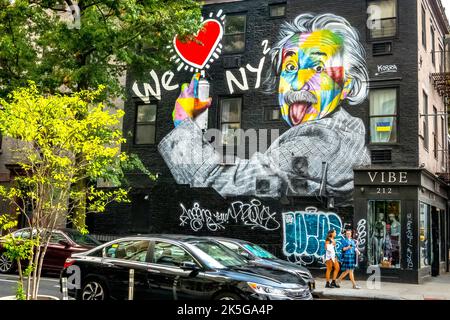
(63, 242)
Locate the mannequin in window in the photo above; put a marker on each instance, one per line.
(394, 235)
(379, 237)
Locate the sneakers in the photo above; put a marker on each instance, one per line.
(327, 285)
(356, 287)
(334, 284)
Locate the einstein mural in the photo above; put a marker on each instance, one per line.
(317, 64)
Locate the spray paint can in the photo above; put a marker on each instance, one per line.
(203, 89)
(203, 95)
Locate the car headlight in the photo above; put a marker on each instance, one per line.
(265, 289)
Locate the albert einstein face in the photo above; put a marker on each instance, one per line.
(312, 79)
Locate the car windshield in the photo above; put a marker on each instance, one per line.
(258, 251)
(215, 255)
(82, 239)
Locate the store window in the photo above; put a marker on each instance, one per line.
(442, 235)
(230, 119)
(384, 233)
(234, 36)
(384, 19)
(424, 235)
(145, 127)
(383, 115)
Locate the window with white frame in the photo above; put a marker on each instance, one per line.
(383, 115)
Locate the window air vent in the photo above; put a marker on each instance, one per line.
(381, 48)
(381, 156)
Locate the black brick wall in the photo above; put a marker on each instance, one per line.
(161, 212)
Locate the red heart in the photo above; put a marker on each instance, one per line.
(198, 51)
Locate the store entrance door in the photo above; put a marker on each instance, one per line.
(435, 241)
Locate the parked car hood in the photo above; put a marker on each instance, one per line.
(264, 275)
(283, 265)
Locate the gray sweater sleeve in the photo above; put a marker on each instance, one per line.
(193, 161)
(339, 142)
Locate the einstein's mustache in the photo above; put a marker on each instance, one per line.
(291, 97)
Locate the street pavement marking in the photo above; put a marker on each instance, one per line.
(5, 280)
(9, 277)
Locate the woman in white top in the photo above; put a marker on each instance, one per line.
(331, 260)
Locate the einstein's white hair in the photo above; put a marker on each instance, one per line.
(353, 51)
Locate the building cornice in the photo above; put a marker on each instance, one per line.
(441, 17)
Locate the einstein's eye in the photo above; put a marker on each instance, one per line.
(291, 67)
(319, 69)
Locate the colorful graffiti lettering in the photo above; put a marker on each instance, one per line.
(252, 214)
(305, 233)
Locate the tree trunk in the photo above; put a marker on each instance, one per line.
(41, 262)
(34, 282)
(79, 205)
(19, 268)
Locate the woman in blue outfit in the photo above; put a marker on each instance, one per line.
(348, 262)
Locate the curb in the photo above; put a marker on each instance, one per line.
(40, 297)
(363, 296)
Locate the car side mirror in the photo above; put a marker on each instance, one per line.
(189, 266)
(64, 243)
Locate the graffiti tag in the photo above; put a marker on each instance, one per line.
(252, 214)
(361, 238)
(389, 68)
(409, 241)
(305, 233)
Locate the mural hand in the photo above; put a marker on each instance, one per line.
(188, 105)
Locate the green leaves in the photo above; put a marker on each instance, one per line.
(65, 141)
(36, 42)
(15, 248)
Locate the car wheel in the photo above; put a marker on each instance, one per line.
(6, 264)
(94, 290)
(227, 296)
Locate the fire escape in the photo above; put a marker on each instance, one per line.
(441, 83)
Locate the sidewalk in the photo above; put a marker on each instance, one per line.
(437, 288)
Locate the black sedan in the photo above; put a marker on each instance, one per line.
(175, 267)
(262, 257)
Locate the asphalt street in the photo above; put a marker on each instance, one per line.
(49, 285)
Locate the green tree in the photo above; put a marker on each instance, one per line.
(62, 139)
(17, 249)
(39, 41)
(60, 52)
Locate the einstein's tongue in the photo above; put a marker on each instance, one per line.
(297, 111)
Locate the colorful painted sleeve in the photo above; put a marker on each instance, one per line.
(188, 105)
